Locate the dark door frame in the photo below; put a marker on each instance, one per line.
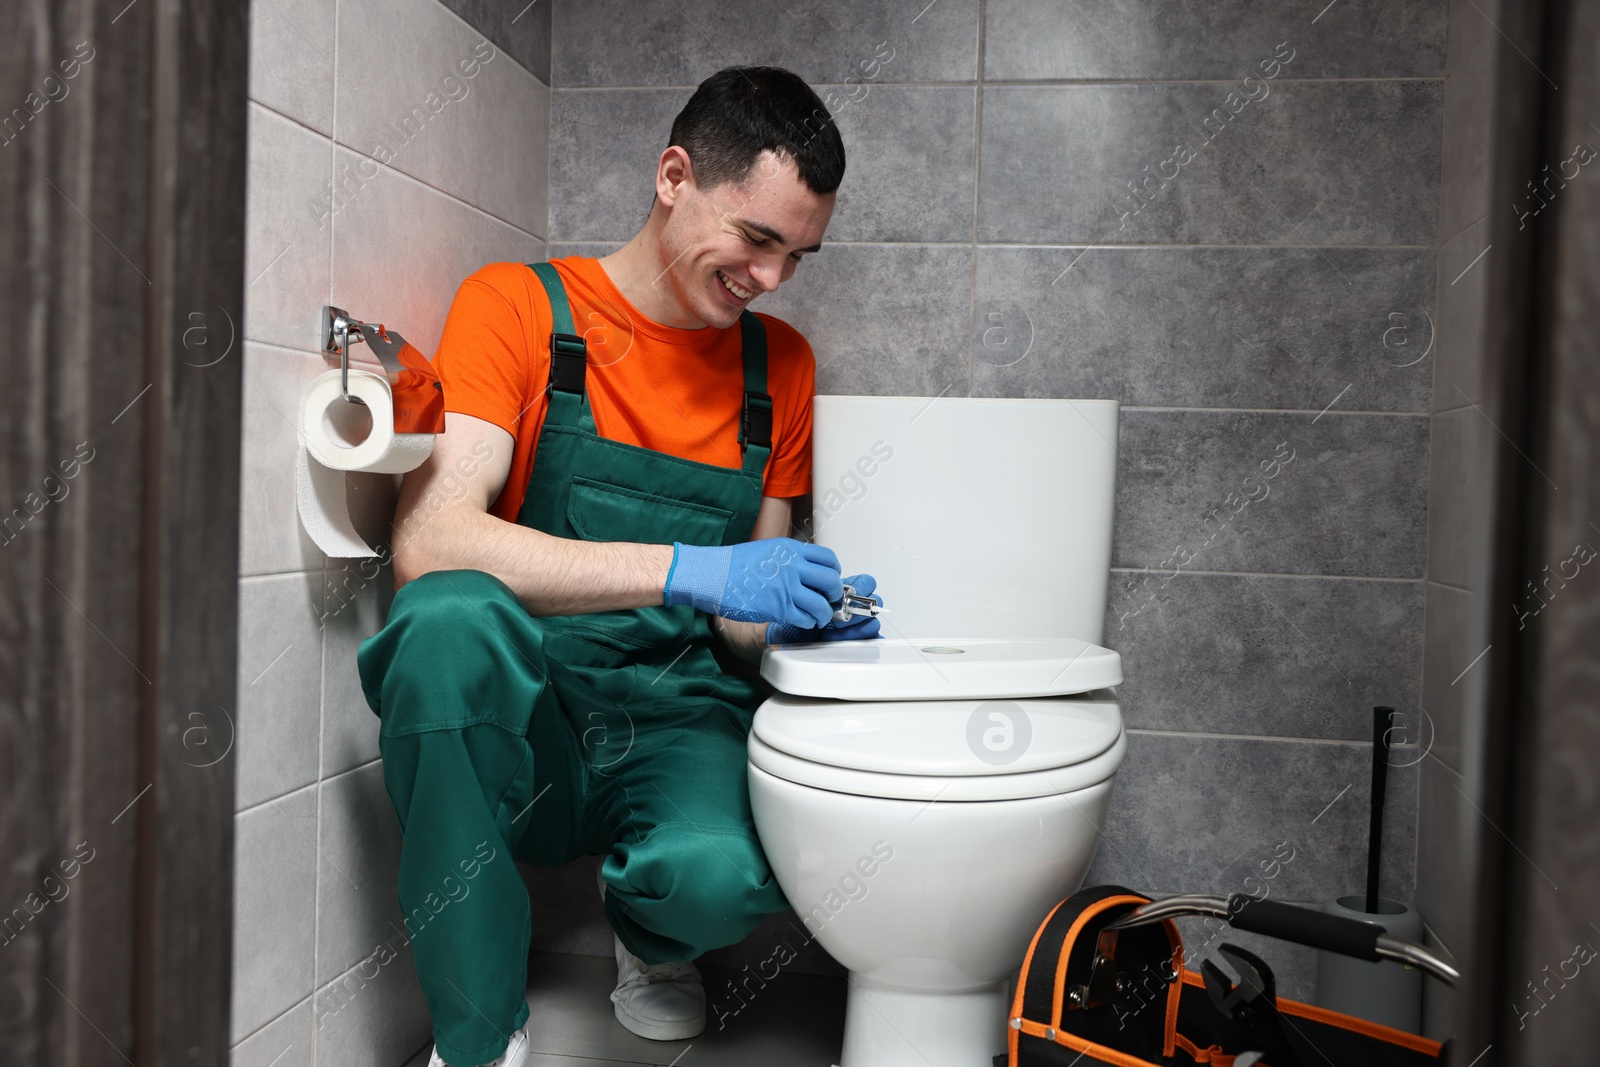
(122, 170)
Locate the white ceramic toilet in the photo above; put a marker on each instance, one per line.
(925, 799)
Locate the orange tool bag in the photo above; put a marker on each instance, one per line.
(1104, 982)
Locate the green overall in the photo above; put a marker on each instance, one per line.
(506, 736)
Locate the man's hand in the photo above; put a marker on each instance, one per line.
(856, 628)
(775, 580)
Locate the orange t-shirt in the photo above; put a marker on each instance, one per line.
(674, 391)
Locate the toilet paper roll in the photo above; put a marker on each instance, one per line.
(358, 437)
(337, 436)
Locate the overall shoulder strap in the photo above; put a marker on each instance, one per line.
(755, 422)
(569, 352)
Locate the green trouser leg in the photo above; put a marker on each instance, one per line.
(685, 873)
(492, 750)
(456, 675)
(465, 905)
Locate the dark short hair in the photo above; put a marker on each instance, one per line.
(739, 112)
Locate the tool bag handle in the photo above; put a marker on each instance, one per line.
(1300, 926)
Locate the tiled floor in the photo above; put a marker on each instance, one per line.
(796, 1021)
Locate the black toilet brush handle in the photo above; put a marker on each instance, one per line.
(1382, 723)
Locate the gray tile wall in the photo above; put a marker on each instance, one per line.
(1459, 496)
(1223, 215)
(335, 83)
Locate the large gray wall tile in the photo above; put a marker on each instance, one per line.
(591, 249)
(908, 175)
(1469, 87)
(1459, 449)
(284, 1042)
(442, 108)
(401, 249)
(1288, 657)
(274, 908)
(1204, 327)
(356, 597)
(604, 145)
(683, 42)
(287, 232)
(1471, 22)
(910, 164)
(271, 540)
(278, 711)
(520, 29)
(291, 59)
(883, 319)
(1322, 163)
(1462, 288)
(358, 906)
(1139, 39)
(1353, 501)
(1201, 814)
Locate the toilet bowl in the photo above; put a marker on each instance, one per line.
(925, 800)
(916, 859)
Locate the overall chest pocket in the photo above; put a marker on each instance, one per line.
(599, 511)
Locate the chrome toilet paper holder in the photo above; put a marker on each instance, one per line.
(417, 391)
(337, 324)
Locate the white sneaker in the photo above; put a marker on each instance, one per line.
(515, 1055)
(662, 1001)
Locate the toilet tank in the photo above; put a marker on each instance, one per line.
(978, 517)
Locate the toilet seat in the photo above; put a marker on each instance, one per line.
(939, 719)
(944, 750)
(994, 787)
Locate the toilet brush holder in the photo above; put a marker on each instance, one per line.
(1387, 992)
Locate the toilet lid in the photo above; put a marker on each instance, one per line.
(941, 668)
(949, 749)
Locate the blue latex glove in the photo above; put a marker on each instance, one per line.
(777, 580)
(856, 628)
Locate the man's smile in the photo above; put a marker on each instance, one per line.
(736, 290)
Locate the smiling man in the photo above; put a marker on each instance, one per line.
(610, 500)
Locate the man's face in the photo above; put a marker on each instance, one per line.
(751, 234)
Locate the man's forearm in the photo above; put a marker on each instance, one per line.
(745, 639)
(551, 575)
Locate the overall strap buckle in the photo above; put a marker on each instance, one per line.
(755, 423)
(569, 352)
(569, 360)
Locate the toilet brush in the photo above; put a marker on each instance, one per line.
(1382, 724)
(1386, 993)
